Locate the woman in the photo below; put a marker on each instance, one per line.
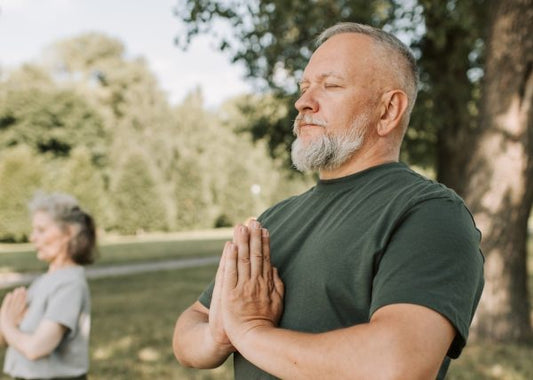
(47, 326)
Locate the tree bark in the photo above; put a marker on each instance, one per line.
(499, 190)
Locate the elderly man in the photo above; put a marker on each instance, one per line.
(380, 270)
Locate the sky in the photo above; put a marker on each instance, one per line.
(146, 27)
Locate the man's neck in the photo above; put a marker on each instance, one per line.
(359, 161)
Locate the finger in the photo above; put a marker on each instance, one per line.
(278, 283)
(19, 293)
(231, 275)
(6, 299)
(267, 267)
(243, 252)
(256, 250)
(7, 302)
(220, 273)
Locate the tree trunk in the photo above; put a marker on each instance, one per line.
(500, 182)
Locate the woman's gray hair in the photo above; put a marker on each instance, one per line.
(405, 67)
(64, 210)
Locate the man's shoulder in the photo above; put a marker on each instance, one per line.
(418, 187)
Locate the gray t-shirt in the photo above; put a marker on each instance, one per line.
(60, 296)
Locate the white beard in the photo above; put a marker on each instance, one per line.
(329, 150)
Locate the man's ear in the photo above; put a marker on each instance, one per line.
(393, 107)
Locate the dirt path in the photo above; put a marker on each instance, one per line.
(8, 280)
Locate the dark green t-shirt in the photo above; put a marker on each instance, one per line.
(385, 235)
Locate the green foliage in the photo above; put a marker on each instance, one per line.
(80, 177)
(52, 121)
(274, 40)
(136, 197)
(103, 131)
(86, 53)
(221, 168)
(451, 63)
(21, 173)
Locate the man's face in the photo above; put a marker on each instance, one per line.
(337, 103)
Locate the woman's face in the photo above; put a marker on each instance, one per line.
(50, 241)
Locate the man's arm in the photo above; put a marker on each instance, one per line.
(33, 346)
(401, 341)
(200, 340)
(193, 342)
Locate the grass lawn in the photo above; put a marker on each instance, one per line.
(133, 318)
(24, 260)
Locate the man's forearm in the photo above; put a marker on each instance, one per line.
(386, 348)
(192, 342)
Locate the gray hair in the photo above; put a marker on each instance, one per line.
(405, 67)
(65, 211)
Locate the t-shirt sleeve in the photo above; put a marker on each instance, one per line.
(433, 259)
(205, 297)
(65, 305)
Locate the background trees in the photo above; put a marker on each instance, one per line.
(485, 159)
(90, 122)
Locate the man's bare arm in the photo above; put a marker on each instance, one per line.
(193, 342)
(200, 340)
(401, 342)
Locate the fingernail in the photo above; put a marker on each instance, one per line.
(255, 224)
(264, 232)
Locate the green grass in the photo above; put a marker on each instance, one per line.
(488, 361)
(120, 253)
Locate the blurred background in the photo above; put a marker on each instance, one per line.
(171, 116)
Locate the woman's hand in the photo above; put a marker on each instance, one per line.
(13, 308)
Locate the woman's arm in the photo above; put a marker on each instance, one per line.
(33, 346)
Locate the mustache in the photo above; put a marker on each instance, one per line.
(302, 120)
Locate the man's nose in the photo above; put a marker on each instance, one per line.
(307, 102)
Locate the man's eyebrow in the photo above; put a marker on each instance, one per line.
(323, 76)
(331, 74)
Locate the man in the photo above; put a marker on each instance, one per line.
(380, 270)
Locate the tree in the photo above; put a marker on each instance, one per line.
(21, 174)
(500, 172)
(220, 177)
(51, 121)
(136, 197)
(80, 177)
(451, 54)
(274, 39)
